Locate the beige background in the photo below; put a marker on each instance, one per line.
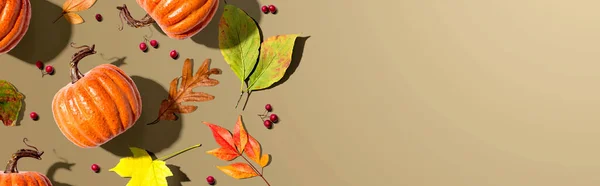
(406, 92)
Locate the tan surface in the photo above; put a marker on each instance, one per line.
(409, 92)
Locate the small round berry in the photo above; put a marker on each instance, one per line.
(268, 107)
(34, 116)
(265, 9)
(173, 54)
(268, 124)
(272, 8)
(49, 69)
(39, 64)
(98, 17)
(154, 43)
(143, 46)
(210, 180)
(274, 118)
(95, 167)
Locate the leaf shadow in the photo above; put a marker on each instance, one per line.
(209, 36)
(178, 176)
(154, 138)
(297, 54)
(22, 111)
(54, 168)
(44, 40)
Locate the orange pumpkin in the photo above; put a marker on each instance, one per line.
(96, 106)
(180, 19)
(14, 23)
(11, 176)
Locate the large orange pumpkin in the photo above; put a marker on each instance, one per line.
(180, 19)
(14, 22)
(96, 106)
(12, 176)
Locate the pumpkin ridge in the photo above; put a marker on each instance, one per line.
(72, 126)
(194, 18)
(29, 179)
(14, 36)
(199, 27)
(59, 117)
(7, 17)
(119, 99)
(136, 101)
(85, 87)
(178, 14)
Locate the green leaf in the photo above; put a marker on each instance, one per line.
(239, 41)
(10, 103)
(275, 57)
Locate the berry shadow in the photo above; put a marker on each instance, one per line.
(44, 40)
(54, 168)
(153, 138)
(209, 36)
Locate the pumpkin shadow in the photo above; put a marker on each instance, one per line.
(54, 168)
(44, 40)
(153, 138)
(209, 36)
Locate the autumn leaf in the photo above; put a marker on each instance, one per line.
(240, 136)
(70, 7)
(10, 103)
(239, 41)
(223, 137)
(254, 152)
(143, 170)
(275, 57)
(180, 92)
(238, 170)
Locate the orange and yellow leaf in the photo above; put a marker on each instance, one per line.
(77, 5)
(264, 160)
(223, 154)
(222, 136)
(238, 170)
(73, 18)
(240, 135)
(253, 150)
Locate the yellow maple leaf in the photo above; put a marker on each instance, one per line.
(142, 170)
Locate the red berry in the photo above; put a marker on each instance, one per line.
(143, 46)
(49, 69)
(210, 180)
(33, 116)
(265, 9)
(154, 43)
(268, 124)
(39, 64)
(274, 118)
(173, 54)
(268, 107)
(272, 8)
(95, 168)
(98, 17)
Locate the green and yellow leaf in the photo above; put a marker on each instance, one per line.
(11, 102)
(275, 58)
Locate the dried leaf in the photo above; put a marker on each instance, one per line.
(275, 57)
(240, 136)
(72, 6)
(180, 92)
(224, 138)
(142, 169)
(10, 103)
(238, 170)
(239, 41)
(254, 150)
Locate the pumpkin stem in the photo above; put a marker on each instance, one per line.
(124, 14)
(85, 51)
(11, 166)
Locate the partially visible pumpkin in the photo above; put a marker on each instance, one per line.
(13, 177)
(180, 19)
(96, 106)
(15, 16)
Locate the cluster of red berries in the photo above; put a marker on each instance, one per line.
(49, 70)
(144, 47)
(98, 17)
(273, 118)
(95, 168)
(266, 9)
(211, 180)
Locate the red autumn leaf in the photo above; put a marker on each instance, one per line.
(240, 135)
(223, 154)
(238, 170)
(224, 138)
(253, 151)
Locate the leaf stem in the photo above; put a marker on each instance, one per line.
(240, 98)
(61, 15)
(256, 170)
(165, 158)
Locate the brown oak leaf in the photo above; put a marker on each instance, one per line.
(180, 92)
